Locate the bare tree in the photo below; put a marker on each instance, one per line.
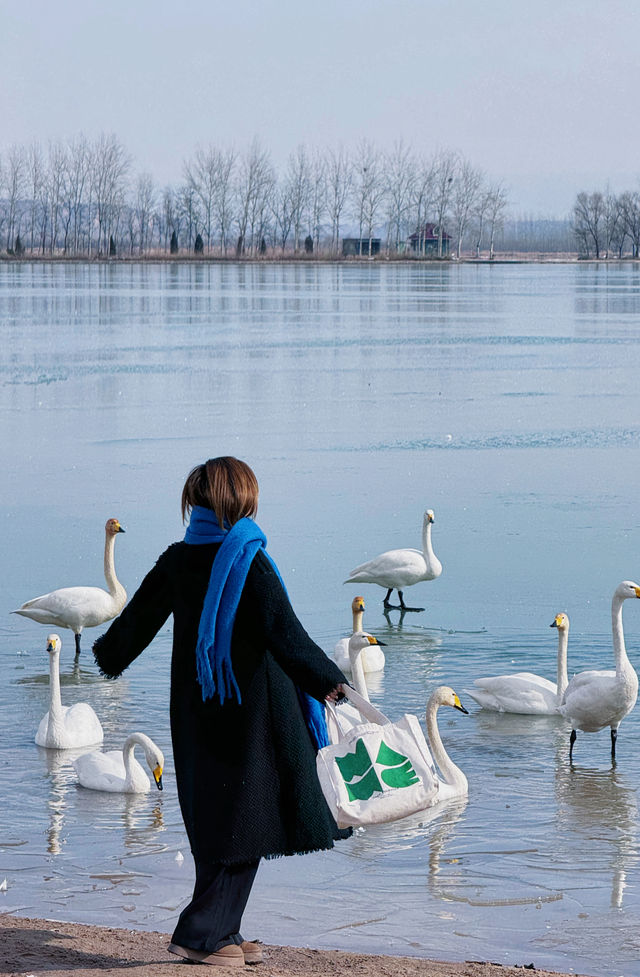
(422, 200)
(255, 183)
(445, 165)
(201, 174)
(466, 191)
(36, 179)
(317, 197)
(170, 219)
(630, 210)
(110, 165)
(297, 182)
(588, 216)
(498, 203)
(55, 181)
(400, 175)
(282, 210)
(613, 227)
(3, 202)
(224, 198)
(76, 165)
(15, 177)
(369, 190)
(144, 206)
(187, 212)
(339, 180)
(479, 216)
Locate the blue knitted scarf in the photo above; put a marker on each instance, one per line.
(229, 571)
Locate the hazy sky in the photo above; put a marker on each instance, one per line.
(541, 94)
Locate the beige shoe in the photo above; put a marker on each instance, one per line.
(227, 956)
(252, 951)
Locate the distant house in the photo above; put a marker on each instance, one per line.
(425, 241)
(359, 247)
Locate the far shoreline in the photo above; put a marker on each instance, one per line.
(534, 258)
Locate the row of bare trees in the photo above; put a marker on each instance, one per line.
(82, 198)
(607, 225)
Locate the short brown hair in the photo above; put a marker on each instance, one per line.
(226, 485)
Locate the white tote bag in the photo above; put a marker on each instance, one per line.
(377, 771)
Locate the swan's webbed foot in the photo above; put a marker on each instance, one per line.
(77, 637)
(572, 740)
(404, 607)
(385, 603)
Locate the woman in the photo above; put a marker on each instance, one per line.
(244, 730)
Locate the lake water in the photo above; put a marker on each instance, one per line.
(506, 399)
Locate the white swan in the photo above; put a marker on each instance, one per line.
(118, 771)
(82, 607)
(65, 727)
(524, 692)
(372, 657)
(595, 699)
(448, 781)
(397, 569)
(359, 642)
(451, 781)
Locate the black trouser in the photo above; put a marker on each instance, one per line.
(213, 917)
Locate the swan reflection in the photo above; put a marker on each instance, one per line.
(602, 809)
(426, 833)
(142, 822)
(61, 775)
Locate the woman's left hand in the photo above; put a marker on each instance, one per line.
(336, 694)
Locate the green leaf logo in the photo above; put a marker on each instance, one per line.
(358, 764)
(398, 773)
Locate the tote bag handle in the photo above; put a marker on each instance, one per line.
(364, 707)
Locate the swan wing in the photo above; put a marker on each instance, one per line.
(523, 693)
(373, 659)
(595, 699)
(589, 679)
(82, 726)
(43, 728)
(101, 771)
(72, 607)
(395, 568)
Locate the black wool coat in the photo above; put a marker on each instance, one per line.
(245, 771)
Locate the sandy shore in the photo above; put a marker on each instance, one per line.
(36, 947)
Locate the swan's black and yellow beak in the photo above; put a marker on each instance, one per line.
(458, 705)
(157, 776)
(120, 529)
(374, 641)
(554, 624)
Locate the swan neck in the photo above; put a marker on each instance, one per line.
(563, 675)
(451, 775)
(357, 620)
(427, 548)
(127, 756)
(114, 585)
(619, 649)
(55, 701)
(358, 676)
